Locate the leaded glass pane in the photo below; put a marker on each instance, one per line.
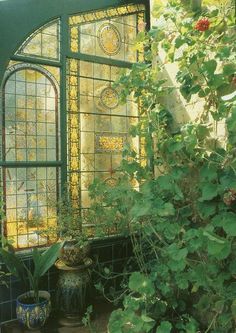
(31, 108)
(30, 195)
(43, 43)
(110, 33)
(98, 125)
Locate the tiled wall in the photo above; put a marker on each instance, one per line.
(112, 252)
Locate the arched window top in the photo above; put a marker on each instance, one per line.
(51, 73)
(43, 43)
(30, 115)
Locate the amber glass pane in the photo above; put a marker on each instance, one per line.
(30, 195)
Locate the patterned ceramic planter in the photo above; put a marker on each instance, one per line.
(33, 316)
(72, 291)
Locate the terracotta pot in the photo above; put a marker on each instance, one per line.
(72, 254)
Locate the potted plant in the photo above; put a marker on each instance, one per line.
(69, 229)
(33, 307)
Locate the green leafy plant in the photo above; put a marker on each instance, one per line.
(42, 263)
(181, 220)
(86, 320)
(69, 223)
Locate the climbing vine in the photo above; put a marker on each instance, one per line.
(182, 218)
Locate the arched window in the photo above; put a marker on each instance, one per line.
(61, 118)
(30, 144)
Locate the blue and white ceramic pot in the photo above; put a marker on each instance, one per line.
(33, 316)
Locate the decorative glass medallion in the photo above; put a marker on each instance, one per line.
(109, 98)
(111, 181)
(109, 39)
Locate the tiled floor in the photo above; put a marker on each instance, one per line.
(99, 324)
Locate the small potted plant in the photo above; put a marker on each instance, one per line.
(33, 307)
(69, 229)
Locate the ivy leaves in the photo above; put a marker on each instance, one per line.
(182, 217)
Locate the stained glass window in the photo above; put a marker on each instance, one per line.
(30, 120)
(30, 117)
(102, 124)
(43, 43)
(39, 153)
(111, 37)
(28, 193)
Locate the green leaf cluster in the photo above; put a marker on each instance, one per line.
(42, 262)
(181, 214)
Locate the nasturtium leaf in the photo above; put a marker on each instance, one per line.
(179, 41)
(171, 230)
(182, 281)
(229, 223)
(229, 181)
(177, 266)
(142, 284)
(224, 52)
(217, 80)
(165, 327)
(209, 67)
(115, 321)
(229, 69)
(167, 209)
(220, 251)
(206, 209)
(141, 209)
(175, 146)
(209, 191)
(164, 182)
(219, 306)
(177, 253)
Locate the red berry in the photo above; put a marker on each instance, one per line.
(202, 24)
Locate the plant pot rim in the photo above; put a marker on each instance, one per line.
(42, 293)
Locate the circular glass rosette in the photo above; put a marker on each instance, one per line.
(109, 39)
(112, 182)
(109, 98)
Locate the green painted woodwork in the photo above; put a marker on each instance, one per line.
(19, 18)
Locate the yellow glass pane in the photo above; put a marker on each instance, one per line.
(87, 44)
(87, 142)
(43, 43)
